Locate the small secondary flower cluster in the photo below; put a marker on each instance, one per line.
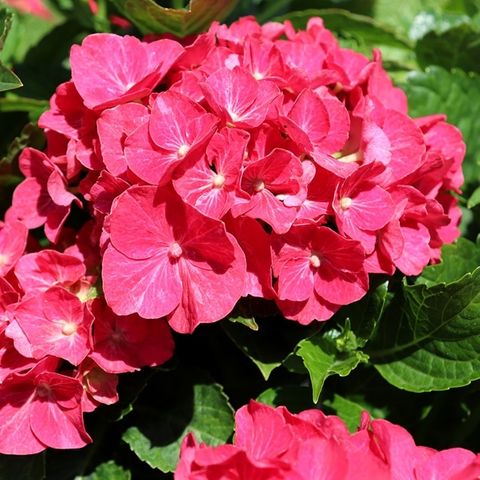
(53, 365)
(249, 160)
(274, 444)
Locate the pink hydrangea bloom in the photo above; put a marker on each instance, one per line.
(273, 443)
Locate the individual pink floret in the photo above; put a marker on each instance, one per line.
(211, 182)
(57, 323)
(113, 126)
(41, 409)
(37, 272)
(108, 69)
(166, 258)
(238, 98)
(42, 198)
(13, 240)
(125, 344)
(311, 258)
(267, 182)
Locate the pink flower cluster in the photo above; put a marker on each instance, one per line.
(179, 178)
(61, 346)
(252, 160)
(274, 444)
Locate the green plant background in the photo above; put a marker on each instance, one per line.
(408, 352)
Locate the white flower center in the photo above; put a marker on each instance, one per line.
(183, 150)
(315, 261)
(218, 180)
(69, 328)
(351, 158)
(258, 185)
(345, 203)
(175, 250)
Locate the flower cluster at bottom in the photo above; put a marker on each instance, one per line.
(274, 444)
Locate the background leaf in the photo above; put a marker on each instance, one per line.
(8, 80)
(198, 406)
(457, 260)
(107, 471)
(150, 17)
(433, 342)
(456, 94)
(450, 41)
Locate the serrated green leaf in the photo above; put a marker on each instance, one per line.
(458, 96)
(432, 340)
(452, 41)
(457, 260)
(108, 471)
(150, 17)
(31, 467)
(206, 413)
(330, 353)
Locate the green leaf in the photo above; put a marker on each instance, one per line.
(457, 260)
(434, 21)
(456, 94)
(150, 17)
(452, 41)
(248, 322)
(31, 467)
(474, 199)
(24, 32)
(205, 412)
(15, 103)
(107, 471)
(349, 411)
(400, 15)
(8, 80)
(432, 341)
(330, 353)
(6, 19)
(365, 314)
(267, 347)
